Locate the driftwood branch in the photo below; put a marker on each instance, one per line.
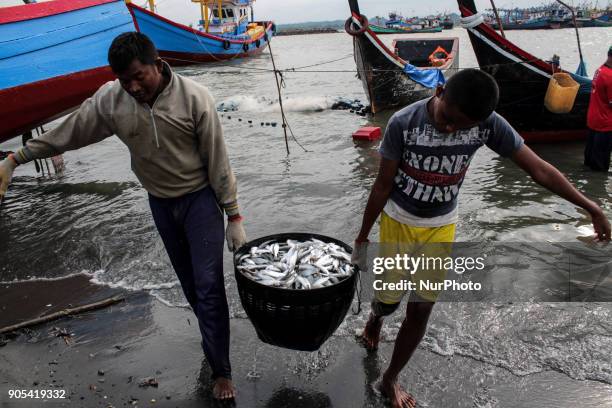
(63, 313)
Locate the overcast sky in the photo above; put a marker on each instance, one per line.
(293, 11)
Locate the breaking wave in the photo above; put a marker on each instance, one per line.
(43, 279)
(249, 103)
(133, 281)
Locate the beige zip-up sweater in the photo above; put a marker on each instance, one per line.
(176, 147)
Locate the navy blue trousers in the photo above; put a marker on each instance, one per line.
(191, 228)
(597, 150)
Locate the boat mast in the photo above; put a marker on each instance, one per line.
(204, 11)
(204, 7)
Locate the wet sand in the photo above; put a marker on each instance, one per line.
(27, 300)
(113, 350)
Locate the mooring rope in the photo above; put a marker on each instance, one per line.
(280, 83)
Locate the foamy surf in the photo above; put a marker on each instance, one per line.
(134, 285)
(52, 279)
(528, 338)
(249, 103)
(522, 338)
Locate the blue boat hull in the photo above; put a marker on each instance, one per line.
(539, 24)
(53, 56)
(182, 45)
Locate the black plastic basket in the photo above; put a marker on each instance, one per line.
(294, 319)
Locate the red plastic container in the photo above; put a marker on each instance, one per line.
(367, 134)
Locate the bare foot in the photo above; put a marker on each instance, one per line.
(371, 333)
(396, 394)
(224, 389)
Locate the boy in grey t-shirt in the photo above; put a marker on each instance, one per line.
(426, 152)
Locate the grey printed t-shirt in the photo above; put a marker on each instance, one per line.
(433, 164)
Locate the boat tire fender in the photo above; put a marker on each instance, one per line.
(245, 47)
(349, 23)
(226, 44)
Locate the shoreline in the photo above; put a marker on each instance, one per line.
(307, 31)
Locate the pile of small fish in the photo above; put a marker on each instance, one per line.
(296, 265)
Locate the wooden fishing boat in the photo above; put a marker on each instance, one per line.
(447, 23)
(400, 25)
(224, 32)
(588, 22)
(523, 81)
(397, 30)
(541, 23)
(382, 71)
(52, 57)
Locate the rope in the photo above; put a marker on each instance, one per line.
(354, 71)
(318, 64)
(280, 83)
(209, 53)
(472, 21)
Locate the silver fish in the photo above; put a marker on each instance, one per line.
(297, 265)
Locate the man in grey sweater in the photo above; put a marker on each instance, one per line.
(171, 128)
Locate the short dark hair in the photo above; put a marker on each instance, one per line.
(129, 46)
(474, 92)
(610, 51)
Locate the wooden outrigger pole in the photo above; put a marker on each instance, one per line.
(571, 9)
(499, 21)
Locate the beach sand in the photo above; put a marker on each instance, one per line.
(113, 350)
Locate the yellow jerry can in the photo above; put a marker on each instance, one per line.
(561, 93)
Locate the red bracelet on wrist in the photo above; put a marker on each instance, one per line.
(235, 217)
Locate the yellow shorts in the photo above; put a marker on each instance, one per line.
(434, 243)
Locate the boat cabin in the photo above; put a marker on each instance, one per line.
(225, 17)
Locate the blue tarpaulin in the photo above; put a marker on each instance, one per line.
(582, 71)
(585, 83)
(429, 78)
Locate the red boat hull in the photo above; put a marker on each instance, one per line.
(28, 106)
